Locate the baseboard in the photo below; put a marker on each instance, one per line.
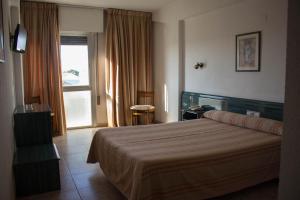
(101, 125)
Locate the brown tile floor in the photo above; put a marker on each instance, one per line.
(82, 181)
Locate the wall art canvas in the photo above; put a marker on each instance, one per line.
(248, 48)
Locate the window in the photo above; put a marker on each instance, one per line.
(78, 108)
(74, 60)
(76, 81)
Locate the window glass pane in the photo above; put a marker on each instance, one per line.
(78, 108)
(75, 66)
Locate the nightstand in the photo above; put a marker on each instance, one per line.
(192, 114)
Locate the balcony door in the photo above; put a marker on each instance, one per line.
(76, 81)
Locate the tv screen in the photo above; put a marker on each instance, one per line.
(20, 39)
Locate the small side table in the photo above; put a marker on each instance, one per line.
(141, 110)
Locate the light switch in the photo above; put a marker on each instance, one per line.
(253, 113)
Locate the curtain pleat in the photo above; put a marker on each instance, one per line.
(128, 62)
(41, 62)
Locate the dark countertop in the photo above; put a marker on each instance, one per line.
(35, 108)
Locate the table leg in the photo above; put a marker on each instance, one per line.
(147, 120)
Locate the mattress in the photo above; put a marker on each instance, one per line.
(195, 159)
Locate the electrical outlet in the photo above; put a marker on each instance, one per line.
(253, 113)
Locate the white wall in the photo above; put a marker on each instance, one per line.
(80, 19)
(166, 74)
(96, 44)
(101, 107)
(187, 31)
(7, 105)
(17, 57)
(210, 38)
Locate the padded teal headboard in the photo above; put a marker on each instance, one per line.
(267, 109)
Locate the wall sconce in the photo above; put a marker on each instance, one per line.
(199, 65)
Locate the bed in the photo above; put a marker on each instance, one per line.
(195, 159)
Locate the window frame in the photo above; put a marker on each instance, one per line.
(77, 40)
(81, 39)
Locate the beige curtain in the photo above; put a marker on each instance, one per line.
(41, 62)
(128, 62)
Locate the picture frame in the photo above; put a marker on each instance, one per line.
(2, 56)
(248, 52)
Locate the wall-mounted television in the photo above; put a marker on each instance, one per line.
(20, 39)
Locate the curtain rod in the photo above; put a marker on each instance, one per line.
(66, 4)
(83, 6)
(80, 6)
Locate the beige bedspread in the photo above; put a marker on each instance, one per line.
(188, 160)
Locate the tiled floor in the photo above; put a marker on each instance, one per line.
(82, 181)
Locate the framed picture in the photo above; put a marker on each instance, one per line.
(2, 59)
(248, 49)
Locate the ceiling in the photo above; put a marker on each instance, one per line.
(142, 5)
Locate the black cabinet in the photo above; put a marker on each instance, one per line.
(36, 169)
(32, 127)
(36, 159)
